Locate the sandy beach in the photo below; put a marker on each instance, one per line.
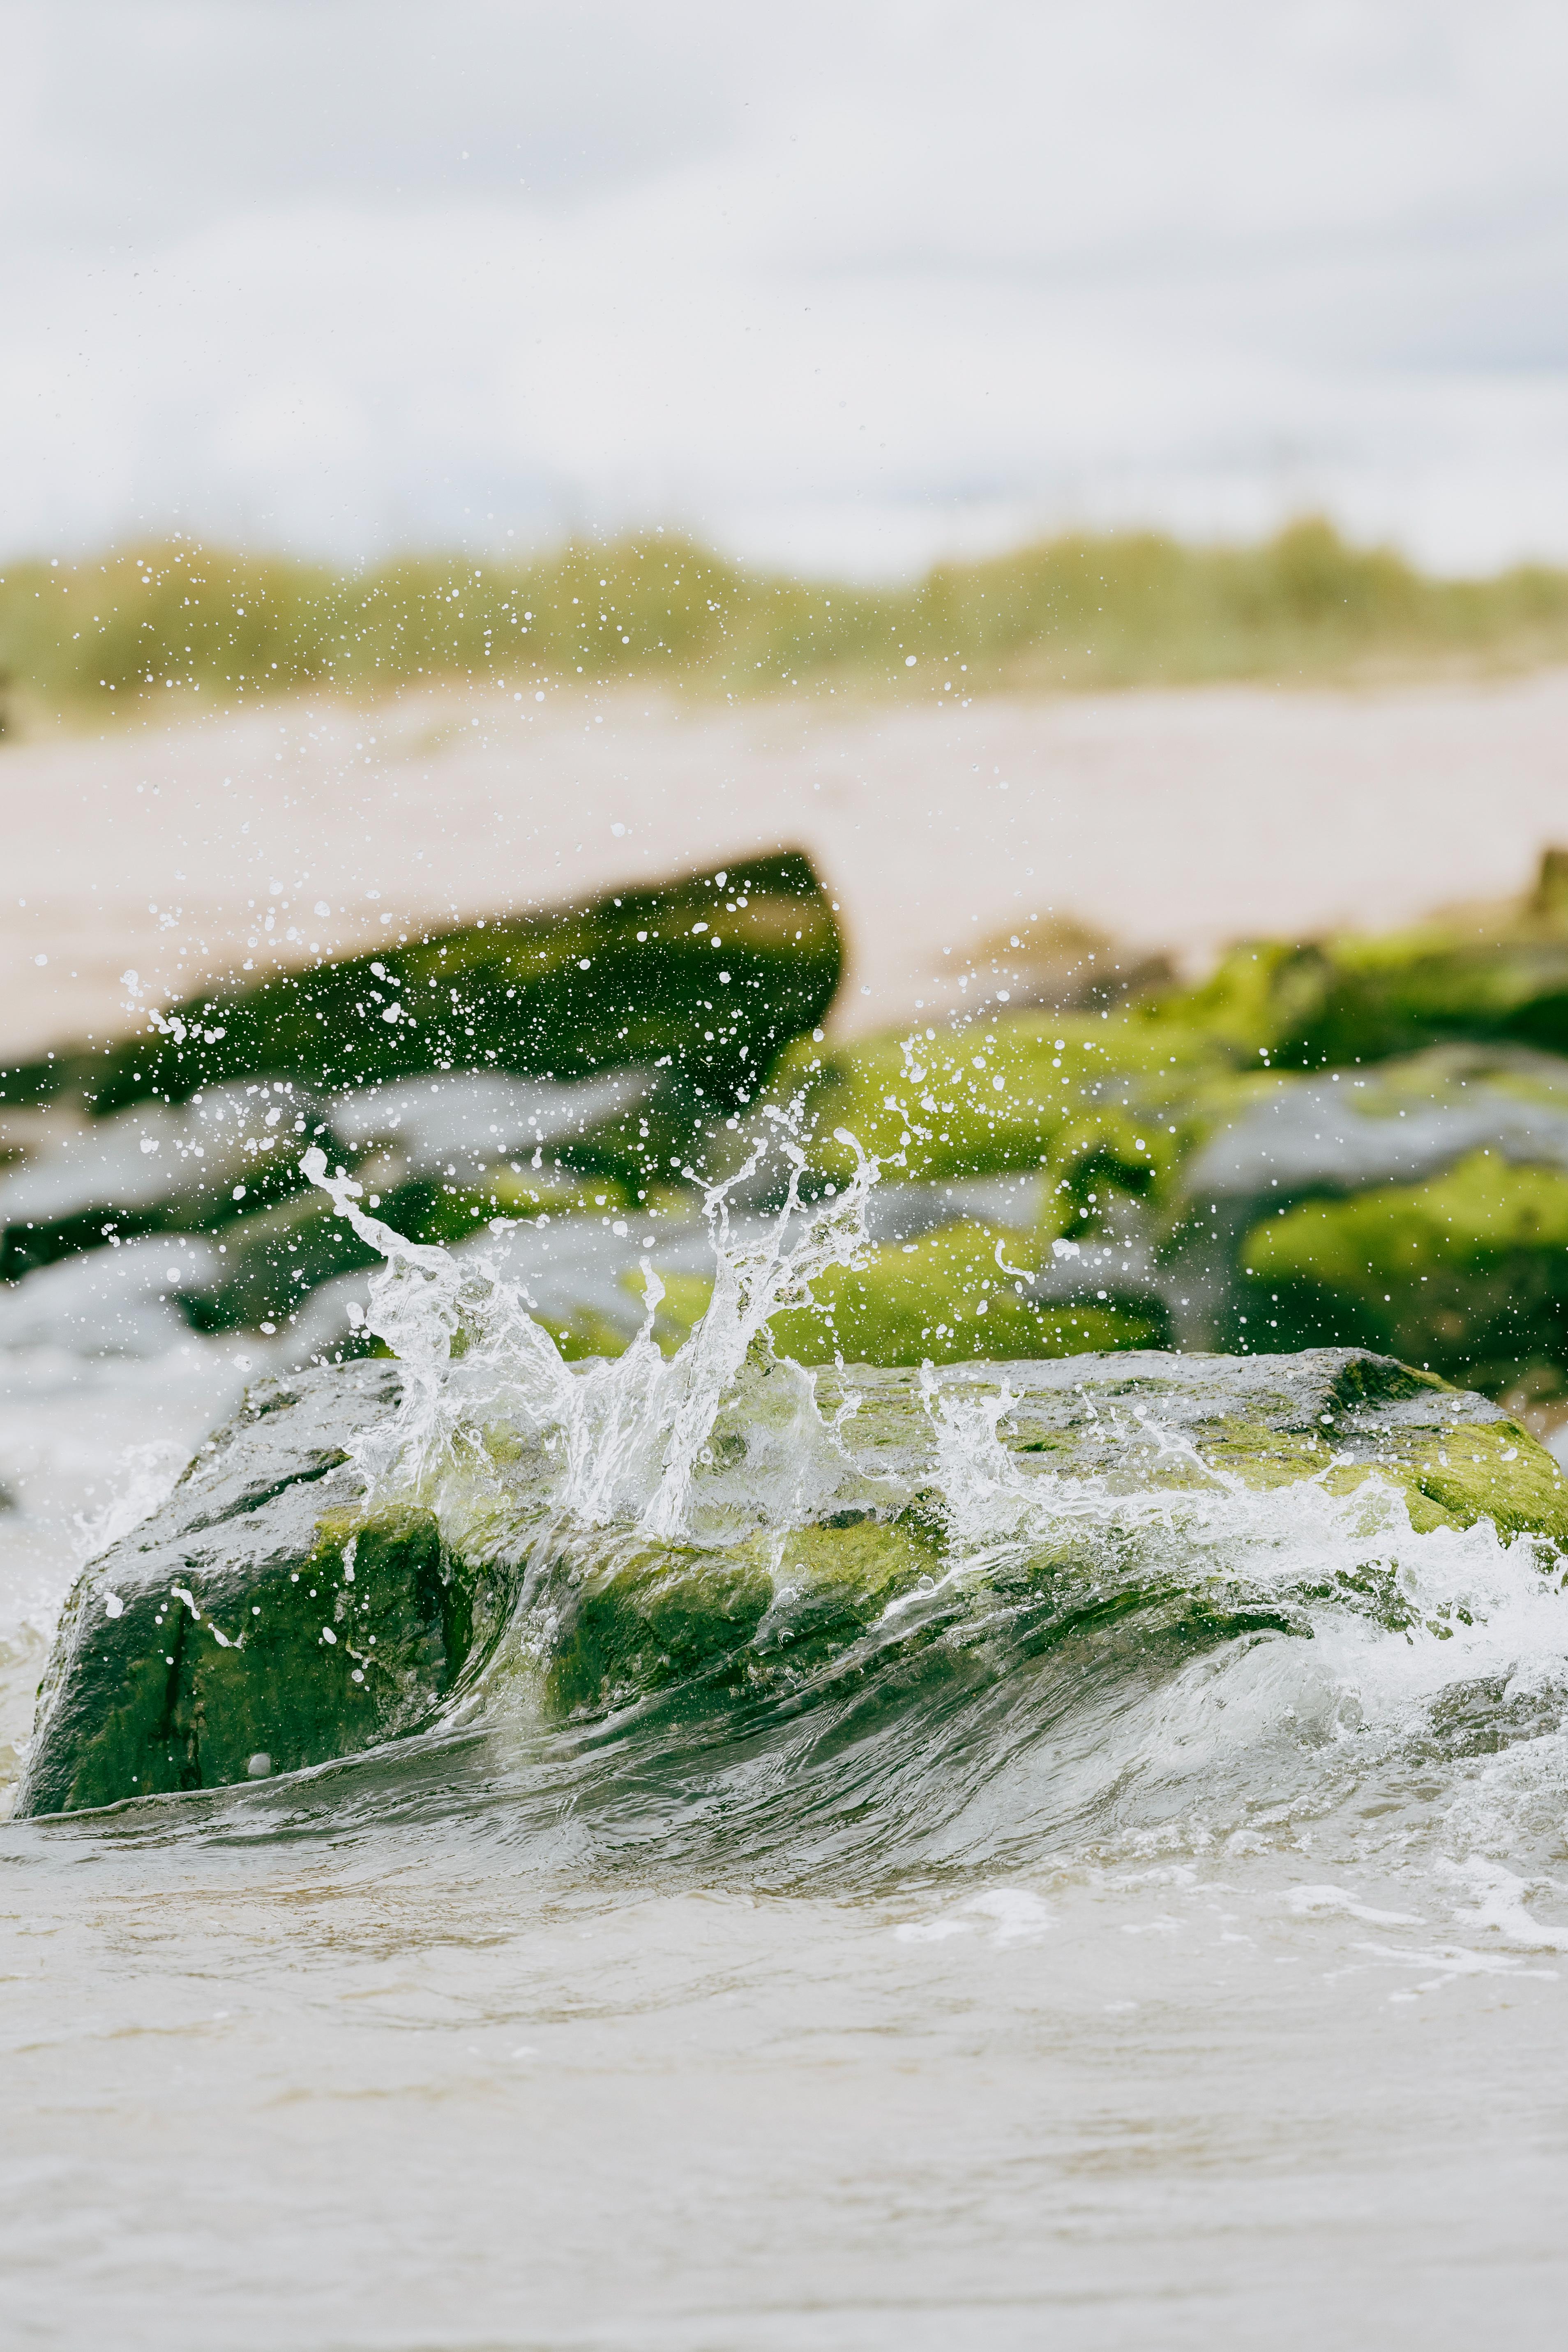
(1172, 821)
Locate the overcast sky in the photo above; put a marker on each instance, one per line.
(846, 283)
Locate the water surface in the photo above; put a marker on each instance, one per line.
(1013, 1973)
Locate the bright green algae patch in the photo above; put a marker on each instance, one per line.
(636, 1618)
(1493, 1471)
(1267, 1209)
(1060, 1090)
(946, 1299)
(1499, 975)
(1466, 1272)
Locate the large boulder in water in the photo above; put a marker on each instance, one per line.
(264, 1619)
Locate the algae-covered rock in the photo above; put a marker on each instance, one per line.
(1417, 1207)
(260, 1619)
(629, 1618)
(1495, 974)
(952, 1296)
(1468, 1273)
(265, 1620)
(1144, 1420)
(1086, 1098)
(708, 977)
(1412, 1206)
(1086, 1444)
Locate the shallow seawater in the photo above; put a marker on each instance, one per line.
(1006, 1975)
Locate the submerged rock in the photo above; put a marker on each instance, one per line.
(263, 1620)
(1069, 1456)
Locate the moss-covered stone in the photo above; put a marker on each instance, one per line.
(1466, 1273)
(1080, 1095)
(1498, 975)
(1449, 1474)
(629, 1620)
(946, 1299)
(617, 1621)
(265, 1617)
(260, 1614)
(707, 977)
(1339, 1415)
(637, 1618)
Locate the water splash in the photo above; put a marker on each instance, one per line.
(1207, 1657)
(146, 1473)
(630, 1430)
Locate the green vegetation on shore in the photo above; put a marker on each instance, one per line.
(180, 620)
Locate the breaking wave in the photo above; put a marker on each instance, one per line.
(803, 1625)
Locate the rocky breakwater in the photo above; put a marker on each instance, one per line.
(554, 1065)
(1359, 1142)
(272, 1616)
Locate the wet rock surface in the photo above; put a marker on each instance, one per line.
(1051, 1183)
(260, 1619)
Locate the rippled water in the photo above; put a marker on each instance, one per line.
(1132, 1934)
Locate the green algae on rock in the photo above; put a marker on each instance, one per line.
(710, 976)
(615, 1035)
(1466, 1272)
(950, 1296)
(1498, 975)
(1073, 1092)
(1340, 1415)
(260, 1621)
(1100, 1449)
(264, 1619)
(629, 1618)
(1416, 1207)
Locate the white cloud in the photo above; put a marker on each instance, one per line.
(852, 285)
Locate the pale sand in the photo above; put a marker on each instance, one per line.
(1176, 820)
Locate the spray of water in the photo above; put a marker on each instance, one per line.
(1379, 1631)
(630, 1428)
